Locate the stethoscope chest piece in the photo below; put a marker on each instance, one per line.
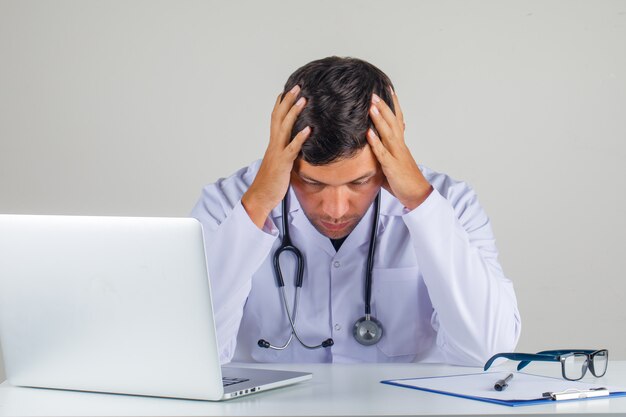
(367, 330)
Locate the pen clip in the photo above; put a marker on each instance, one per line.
(575, 394)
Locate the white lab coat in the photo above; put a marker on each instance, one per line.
(438, 288)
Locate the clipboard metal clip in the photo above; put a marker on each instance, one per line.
(576, 394)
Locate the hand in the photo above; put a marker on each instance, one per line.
(403, 178)
(272, 180)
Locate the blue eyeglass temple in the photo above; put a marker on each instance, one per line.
(543, 356)
(524, 357)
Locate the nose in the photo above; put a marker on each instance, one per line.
(336, 203)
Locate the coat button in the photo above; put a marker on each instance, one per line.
(336, 264)
(337, 326)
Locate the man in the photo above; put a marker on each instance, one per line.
(336, 142)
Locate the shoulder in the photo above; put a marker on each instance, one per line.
(458, 193)
(219, 198)
(453, 190)
(243, 176)
(235, 185)
(463, 200)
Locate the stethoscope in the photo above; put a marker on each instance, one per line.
(367, 330)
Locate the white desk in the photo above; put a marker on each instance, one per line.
(342, 390)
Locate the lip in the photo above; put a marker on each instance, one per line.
(334, 226)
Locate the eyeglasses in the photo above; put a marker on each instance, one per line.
(574, 362)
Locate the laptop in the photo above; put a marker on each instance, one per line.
(116, 305)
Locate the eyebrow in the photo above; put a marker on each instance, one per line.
(361, 178)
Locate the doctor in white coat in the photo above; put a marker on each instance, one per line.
(436, 290)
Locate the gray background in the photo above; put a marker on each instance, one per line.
(129, 108)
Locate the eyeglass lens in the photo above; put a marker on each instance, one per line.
(575, 366)
(599, 363)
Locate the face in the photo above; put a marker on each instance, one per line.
(336, 196)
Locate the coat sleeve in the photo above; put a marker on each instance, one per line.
(475, 308)
(235, 249)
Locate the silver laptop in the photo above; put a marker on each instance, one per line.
(117, 305)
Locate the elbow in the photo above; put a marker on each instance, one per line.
(504, 339)
(479, 346)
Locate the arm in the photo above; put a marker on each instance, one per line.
(475, 306)
(237, 229)
(230, 235)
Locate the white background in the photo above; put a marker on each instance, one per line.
(130, 107)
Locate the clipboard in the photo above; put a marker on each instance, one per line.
(524, 389)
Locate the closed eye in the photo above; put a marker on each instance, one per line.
(312, 183)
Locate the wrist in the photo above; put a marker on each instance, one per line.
(256, 208)
(421, 194)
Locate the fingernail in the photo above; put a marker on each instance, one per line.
(300, 102)
(393, 93)
(375, 98)
(375, 110)
(295, 90)
(306, 130)
(371, 133)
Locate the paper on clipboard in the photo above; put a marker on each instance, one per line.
(524, 389)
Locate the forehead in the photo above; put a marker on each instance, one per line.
(340, 172)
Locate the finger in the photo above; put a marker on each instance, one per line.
(280, 95)
(286, 127)
(293, 149)
(274, 126)
(276, 105)
(388, 115)
(396, 106)
(381, 153)
(383, 128)
(286, 104)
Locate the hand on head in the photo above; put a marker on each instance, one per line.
(272, 180)
(403, 178)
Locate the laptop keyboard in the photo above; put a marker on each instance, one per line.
(226, 381)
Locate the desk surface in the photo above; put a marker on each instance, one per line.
(342, 390)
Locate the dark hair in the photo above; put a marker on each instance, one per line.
(339, 93)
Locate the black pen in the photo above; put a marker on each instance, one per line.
(503, 383)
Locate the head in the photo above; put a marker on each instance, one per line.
(336, 177)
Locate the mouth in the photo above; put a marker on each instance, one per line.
(334, 226)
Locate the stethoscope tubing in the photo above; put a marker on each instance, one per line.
(370, 260)
(287, 246)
